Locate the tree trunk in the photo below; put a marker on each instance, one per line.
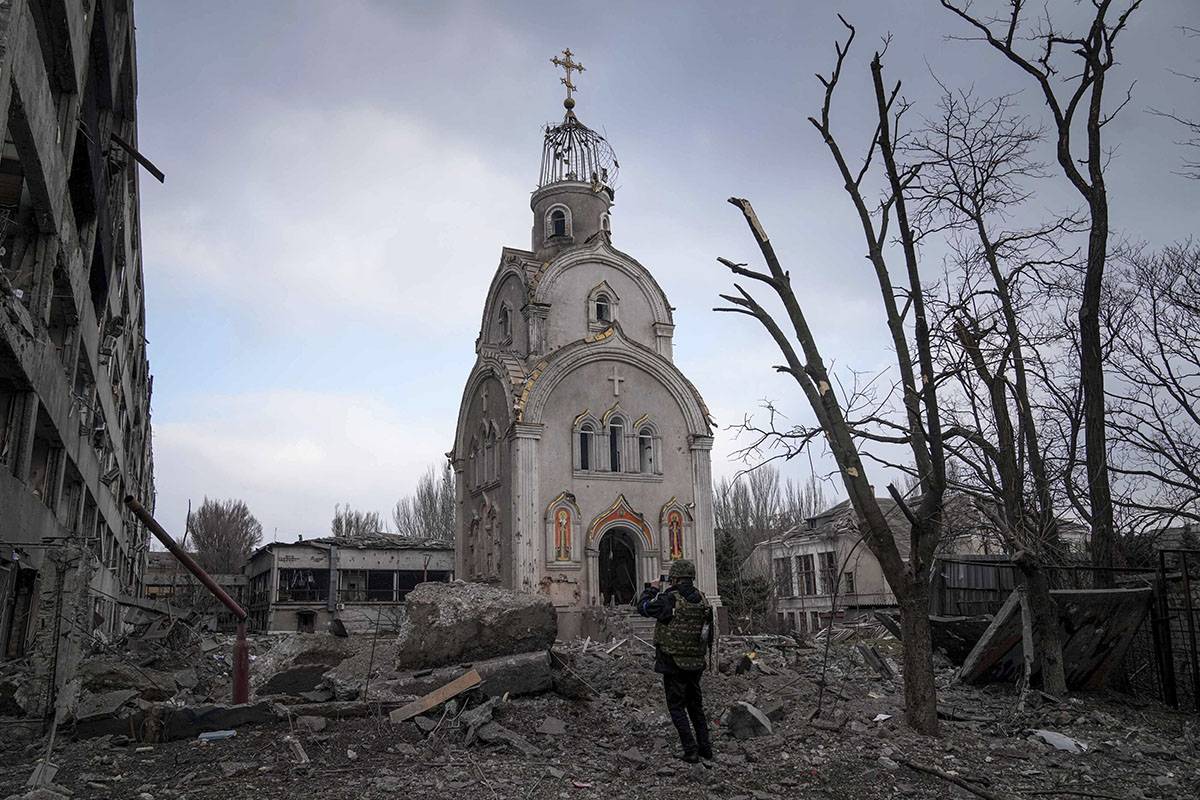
(920, 693)
(1047, 640)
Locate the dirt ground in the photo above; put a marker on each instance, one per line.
(618, 743)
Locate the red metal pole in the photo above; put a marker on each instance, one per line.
(241, 653)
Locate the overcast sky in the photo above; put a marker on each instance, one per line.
(341, 177)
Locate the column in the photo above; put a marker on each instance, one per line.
(26, 426)
(460, 520)
(706, 551)
(663, 333)
(527, 539)
(535, 317)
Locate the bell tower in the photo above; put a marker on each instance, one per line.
(577, 182)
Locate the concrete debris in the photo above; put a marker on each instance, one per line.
(216, 736)
(495, 733)
(744, 721)
(552, 726)
(1060, 742)
(297, 750)
(312, 724)
(602, 723)
(452, 622)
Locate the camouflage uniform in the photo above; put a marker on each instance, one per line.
(684, 617)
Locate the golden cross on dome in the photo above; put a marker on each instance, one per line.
(568, 66)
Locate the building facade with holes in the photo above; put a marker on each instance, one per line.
(75, 379)
(582, 452)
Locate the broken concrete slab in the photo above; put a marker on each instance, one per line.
(100, 675)
(454, 622)
(187, 722)
(745, 721)
(522, 674)
(106, 704)
(1096, 628)
(495, 733)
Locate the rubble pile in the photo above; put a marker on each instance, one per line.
(584, 718)
(459, 621)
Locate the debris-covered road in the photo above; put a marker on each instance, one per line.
(609, 737)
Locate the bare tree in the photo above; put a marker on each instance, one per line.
(918, 425)
(348, 523)
(224, 533)
(802, 500)
(1081, 95)
(1155, 422)
(428, 513)
(1189, 125)
(975, 160)
(765, 498)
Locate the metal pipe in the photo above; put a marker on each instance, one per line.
(241, 652)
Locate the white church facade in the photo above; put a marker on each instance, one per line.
(582, 453)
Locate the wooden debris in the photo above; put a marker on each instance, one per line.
(435, 698)
(877, 662)
(957, 780)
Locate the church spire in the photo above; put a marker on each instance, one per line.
(577, 183)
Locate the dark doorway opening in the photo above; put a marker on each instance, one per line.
(618, 567)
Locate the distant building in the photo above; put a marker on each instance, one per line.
(805, 562)
(303, 586)
(168, 582)
(75, 381)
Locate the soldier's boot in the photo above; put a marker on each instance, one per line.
(703, 741)
(690, 751)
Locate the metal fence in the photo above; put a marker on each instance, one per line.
(1176, 625)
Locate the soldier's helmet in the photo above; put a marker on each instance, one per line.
(683, 569)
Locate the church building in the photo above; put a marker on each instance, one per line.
(582, 452)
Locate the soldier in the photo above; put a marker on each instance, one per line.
(682, 638)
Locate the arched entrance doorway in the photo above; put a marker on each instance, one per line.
(618, 567)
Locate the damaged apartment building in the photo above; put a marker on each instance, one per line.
(75, 382)
(352, 583)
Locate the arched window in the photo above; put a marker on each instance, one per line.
(603, 308)
(646, 451)
(616, 434)
(558, 222)
(605, 223)
(505, 321)
(473, 464)
(490, 463)
(586, 434)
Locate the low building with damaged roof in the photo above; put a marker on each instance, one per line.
(826, 556)
(360, 581)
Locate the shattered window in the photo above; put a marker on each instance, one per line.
(381, 584)
(808, 575)
(303, 585)
(353, 585)
(409, 578)
(828, 571)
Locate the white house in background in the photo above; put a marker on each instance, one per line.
(808, 564)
